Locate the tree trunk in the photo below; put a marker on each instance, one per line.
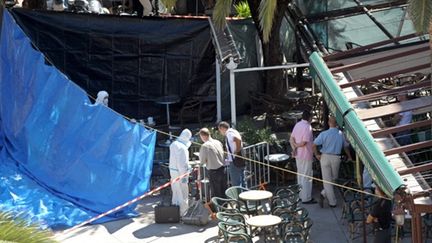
(272, 54)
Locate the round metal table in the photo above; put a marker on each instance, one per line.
(263, 222)
(278, 160)
(168, 100)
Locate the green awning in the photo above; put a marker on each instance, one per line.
(373, 158)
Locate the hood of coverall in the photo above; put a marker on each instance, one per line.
(102, 98)
(185, 137)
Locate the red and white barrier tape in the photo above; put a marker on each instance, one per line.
(126, 204)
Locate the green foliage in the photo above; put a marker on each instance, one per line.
(169, 4)
(17, 230)
(243, 10)
(221, 11)
(215, 134)
(252, 135)
(267, 10)
(420, 12)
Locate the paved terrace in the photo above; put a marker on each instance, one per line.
(327, 227)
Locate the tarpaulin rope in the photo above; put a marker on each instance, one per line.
(127, 203)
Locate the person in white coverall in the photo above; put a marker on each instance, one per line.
(102, 98)
(178, 165)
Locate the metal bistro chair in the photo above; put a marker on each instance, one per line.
(293, 237)
(245, 207)
(225, 205)
(291, 227)
(307, 225)
(284, 203)
(232, 219)
(286, 217)
(300, 214)
(290, 189)
(234, 233)
(234, 192)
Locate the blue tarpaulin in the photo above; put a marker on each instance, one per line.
(63, 160)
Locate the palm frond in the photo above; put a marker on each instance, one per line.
(13, 229)
(221, 10)
(169, 4)
(420, 12)
(266, 15)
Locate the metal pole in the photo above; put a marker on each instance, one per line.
(416, 225)
(218, 93)
(286, 66)
(401, 22)
(380, 26)
(233, 99)
(232, 66)
(200, 181)
(156, 8)
(362, 201)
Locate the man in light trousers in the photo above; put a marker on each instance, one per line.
(301, 142)
(331, 141)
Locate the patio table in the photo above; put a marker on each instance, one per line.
(296, 95)
(168, 100)
(279, 160)
(256, 196)
(264, 222)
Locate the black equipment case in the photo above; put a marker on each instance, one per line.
(167, 214)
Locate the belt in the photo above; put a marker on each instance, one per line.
(333, 154)
(222, 167)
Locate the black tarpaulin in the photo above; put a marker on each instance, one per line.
(136, 60)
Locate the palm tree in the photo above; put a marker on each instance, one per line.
(13, 229)
(267, 16)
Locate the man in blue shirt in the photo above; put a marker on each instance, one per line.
(331, 141)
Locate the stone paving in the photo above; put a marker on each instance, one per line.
(327, 227)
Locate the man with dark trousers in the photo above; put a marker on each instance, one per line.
(212, 155)
(381, 217)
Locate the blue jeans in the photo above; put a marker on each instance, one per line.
(236, 175)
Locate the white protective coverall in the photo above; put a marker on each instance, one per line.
(102, 98)
(178, 165)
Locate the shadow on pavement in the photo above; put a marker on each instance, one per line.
(114, 226)
(170, 230)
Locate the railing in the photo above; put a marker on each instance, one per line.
(257, 174)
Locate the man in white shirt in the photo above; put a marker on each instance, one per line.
(234, 145)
